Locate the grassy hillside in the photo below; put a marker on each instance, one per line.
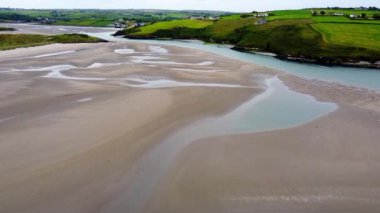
(361, 35)
(12, 41)
(194, 24)
(228, 25)
(96, 18)
(289, 14)
(291, 33)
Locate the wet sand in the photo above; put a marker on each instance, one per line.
(68, 143)
(75, 120)
(328, 165)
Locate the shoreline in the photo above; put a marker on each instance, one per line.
(330, 62)
(56, 142)
(280, 170)
(333, 62)
(76, 143)
(277, 170)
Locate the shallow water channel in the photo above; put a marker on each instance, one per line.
(278, 107)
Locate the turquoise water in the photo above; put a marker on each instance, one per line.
(361, 77)
(278, 107)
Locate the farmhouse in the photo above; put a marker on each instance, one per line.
(353, 16)
(261, 21)
(118, 24)
(338, 14)
(213, 18)
(262, 15)
(197, 17)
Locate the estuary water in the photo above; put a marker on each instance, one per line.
(360, 77)
(277, 107)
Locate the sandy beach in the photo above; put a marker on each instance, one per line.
(76, 120)
(328, 165)
(67, 145)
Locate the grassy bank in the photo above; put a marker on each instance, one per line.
(7, 29)
(12, 41)
(296, 34)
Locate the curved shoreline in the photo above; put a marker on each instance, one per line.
(150, 169)
(77, 144)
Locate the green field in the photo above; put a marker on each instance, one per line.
(361, 35)
(194, 24)
(289, 14)
(12, 41)
(86, 22)
(341, 19)
(231, 17)
(97, 18)
(227, 26)
(348, 11)
(297, 33)
(307, 14)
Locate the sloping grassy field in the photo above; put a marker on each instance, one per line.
(289, 14)
(12, 41)
(342, 19)
(290, 33)
(194, 24)
(362, 35)
(227, 26)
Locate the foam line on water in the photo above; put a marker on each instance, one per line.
(158, 49)
(85, 99)
(166, 83)
(41, 56)
(148, 60)
(54, 54)
(196, 70)
(125, 51)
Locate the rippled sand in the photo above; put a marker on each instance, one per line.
(76, 121)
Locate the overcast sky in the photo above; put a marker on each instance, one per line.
(226, 5)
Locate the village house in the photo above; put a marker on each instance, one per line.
(119, 24)
(338, 14)
(261, 21)
(213, 18)
(138, 24)
(262, 15)
(353, 16)
(197, 17)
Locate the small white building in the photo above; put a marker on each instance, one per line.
(261, 21)
(353, 16)
(213, 18)
(262, 15)
(197, 17)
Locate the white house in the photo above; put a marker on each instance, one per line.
(262, 15)
(261, 21)
(197, 17)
